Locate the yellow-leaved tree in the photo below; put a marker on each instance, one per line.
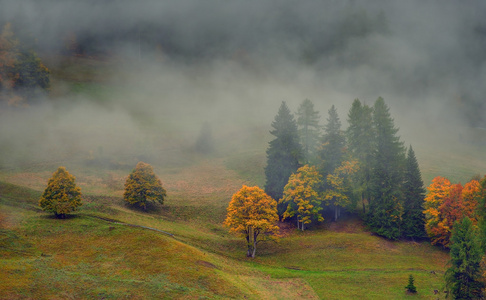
(61, 196)
(253, 214)
(339, 193)
(438, 191)
(143, 187)
(302, 196)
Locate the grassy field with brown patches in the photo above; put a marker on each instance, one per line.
(88, 257)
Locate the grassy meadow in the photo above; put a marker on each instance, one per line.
(95, 254)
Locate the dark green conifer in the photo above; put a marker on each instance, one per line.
(361, 137)
(308, 124)
(464, 277)
(283, 154)
(413, 223)
(411, 287)
(386, 205)
(333, 144)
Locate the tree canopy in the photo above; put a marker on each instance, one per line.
(360, 136)
(61, 195)
(252, 214)
(22, 73)
(413, 224)
(302, 196)
(309, 129)
(283, 154)
(447, 203)
(464, 277)
(143, 187)
(386, 201)
(333, 144)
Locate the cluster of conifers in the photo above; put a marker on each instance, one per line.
(366, 165)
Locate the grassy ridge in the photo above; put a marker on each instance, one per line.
(43, 257)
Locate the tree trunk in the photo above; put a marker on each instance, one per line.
(362, 201)
(335, 213)
(255, 236)
(248, 244)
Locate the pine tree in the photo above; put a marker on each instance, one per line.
(333, 144)
(283, 154)
(143, 187)
(411, 287)
(413, 223)
(308, 123)
(61, 196)
(482, 212)
(464, 277)
(361, 136)
(386, 207)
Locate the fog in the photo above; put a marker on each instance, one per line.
(177, 64)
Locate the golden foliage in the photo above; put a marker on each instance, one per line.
(338, 181)
(252, 214)
(143, 186)
(302, 196)
(61, 196)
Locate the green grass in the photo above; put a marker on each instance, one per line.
(88, 257)
(44, 257)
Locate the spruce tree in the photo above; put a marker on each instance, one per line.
(481, 211)
(308, 124)
(283, 154)
(333, 144)
(413, 223)
(386, 207)
(464, 277)
(410, 286)
(360, 136)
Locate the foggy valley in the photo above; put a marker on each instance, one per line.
(134, 81)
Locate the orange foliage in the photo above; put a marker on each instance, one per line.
(252, 214)
(445, 204)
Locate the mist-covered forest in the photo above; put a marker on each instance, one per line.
(192, 93)
(185, 63)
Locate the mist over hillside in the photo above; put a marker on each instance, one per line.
(177, 64)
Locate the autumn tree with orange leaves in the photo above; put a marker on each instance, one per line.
(252, 214)
(447, 203)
